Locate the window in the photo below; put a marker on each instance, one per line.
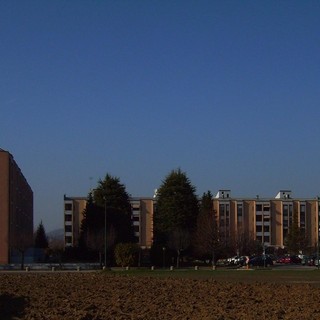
(68, 228)
(259, 207)
(302, 215)
(136, 228)
(259, 228)
(68, 239)
(68, 206)
(68, 217)
(266, 229)
(266, 239)
(239, 210)
(258, 217)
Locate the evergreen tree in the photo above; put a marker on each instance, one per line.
(41, 240)
(112, 194)
(177, 207)
(107, 217)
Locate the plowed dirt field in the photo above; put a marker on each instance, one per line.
(88, 296)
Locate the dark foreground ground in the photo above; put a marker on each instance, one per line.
(86, 296)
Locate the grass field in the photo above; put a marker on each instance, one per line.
(238, 275)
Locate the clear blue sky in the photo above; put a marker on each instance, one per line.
(226, 90)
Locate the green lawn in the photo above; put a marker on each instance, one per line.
(227, 275)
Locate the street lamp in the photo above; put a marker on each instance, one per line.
(318, 251)
(105, 231)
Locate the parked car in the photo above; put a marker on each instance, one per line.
(289, 259)
(295, 259)
(283, 259)
(233, 260)
(261, 261)
(308, 260)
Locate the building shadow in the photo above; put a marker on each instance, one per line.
(11, 306)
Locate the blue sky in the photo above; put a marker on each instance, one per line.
(228, 91)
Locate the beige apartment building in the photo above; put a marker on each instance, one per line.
(266, 219)
(142, 220)
(16, 209)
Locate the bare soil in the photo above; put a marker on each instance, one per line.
(93, 296)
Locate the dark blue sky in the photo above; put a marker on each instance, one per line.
(226, 90)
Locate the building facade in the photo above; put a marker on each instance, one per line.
(267, 220)
(16, 210)
(142, 220)
(73, 216)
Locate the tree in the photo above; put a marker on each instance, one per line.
(207, 233)
(112, 194)
(126, 254)
(245, 244)
(177, 207)
(107, 217)
(41, 239)
(179, 240)
(296, 239)
(93, 235)
(56, 249)
(22, 241)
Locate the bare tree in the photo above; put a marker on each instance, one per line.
(22, 241)
(179, 240)
(207, 236)
(97, 239)
(207, 233)
(56, 248)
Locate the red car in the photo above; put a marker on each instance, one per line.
(289, 259)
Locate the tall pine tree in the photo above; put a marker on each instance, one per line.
(107, 216)
(40, 239)
(177, 207)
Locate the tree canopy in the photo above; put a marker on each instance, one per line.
(176, 208)
(113, 194)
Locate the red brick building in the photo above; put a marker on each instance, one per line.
(16, 209)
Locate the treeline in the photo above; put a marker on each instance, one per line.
(185, 228)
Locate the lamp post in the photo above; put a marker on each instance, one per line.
(163, 257)
(105, 231)
(318, 251)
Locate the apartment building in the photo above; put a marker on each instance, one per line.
(266, 219)
(73, 216)
(16, 210)
(142, 219)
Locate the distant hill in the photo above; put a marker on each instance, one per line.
(57, 234)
